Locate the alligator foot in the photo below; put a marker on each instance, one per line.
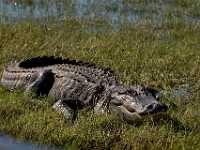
(64, 110)
(68, 107)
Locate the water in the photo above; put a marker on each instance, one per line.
(8, 143)
(183, 91)
(115, 12)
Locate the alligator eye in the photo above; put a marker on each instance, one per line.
(28, 77)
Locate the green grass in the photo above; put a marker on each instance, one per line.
(163, 57)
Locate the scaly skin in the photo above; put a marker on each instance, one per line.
(76, 85)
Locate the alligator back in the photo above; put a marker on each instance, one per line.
(57, 77)
(63, 67)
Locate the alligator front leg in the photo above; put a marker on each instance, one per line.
(66, 111)
(68, 107)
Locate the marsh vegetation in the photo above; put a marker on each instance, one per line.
(164, 55)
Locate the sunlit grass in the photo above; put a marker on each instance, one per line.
(163, 57)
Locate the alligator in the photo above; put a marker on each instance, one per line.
(75, 85)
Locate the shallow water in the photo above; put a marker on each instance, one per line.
(8, 143)
(183, 91)
(115, 12)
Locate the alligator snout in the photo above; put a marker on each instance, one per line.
(156, 107)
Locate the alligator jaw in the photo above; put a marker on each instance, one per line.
(129, 113)
(125, 114)
(132, 116)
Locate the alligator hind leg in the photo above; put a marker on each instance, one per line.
(42, 85)
(68, 107)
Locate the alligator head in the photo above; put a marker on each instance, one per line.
(135, 102)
